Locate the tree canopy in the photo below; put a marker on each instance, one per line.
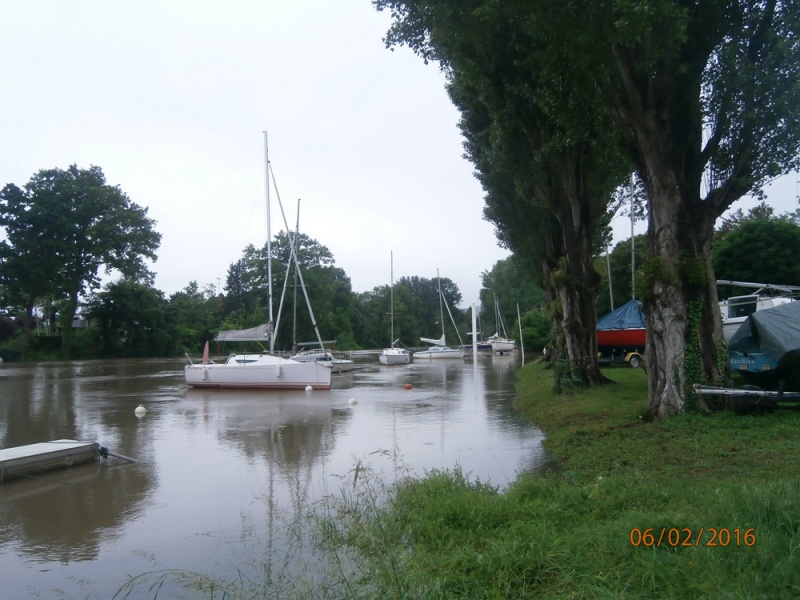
(62, 227)
(546, 153)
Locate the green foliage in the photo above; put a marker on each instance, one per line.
(536, 325)
(61, 229)
(656, 270)
(762, 249)
(131, 321)
(507, 286)
(692, 358)
(196, 316)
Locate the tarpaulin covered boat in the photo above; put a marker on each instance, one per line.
(621, 334)
(766, 348)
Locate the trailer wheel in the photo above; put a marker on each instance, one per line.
(635, 362)
(747, 405)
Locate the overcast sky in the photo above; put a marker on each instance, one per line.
(170, 98)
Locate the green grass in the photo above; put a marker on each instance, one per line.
(568, 533)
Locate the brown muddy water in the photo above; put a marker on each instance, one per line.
(222, 473)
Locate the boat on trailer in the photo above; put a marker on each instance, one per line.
(734, 310)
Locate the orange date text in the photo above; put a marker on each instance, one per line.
(687, 537)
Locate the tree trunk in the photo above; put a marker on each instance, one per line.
(26, 328)
(683, 319)
(575, 284)
(67, 316)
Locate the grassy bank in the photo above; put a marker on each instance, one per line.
(693, 506)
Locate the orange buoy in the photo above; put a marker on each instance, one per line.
(407, 386)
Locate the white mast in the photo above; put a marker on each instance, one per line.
(269, 245)
(391, 297)
(441, 306)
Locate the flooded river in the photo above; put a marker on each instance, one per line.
(221, 472)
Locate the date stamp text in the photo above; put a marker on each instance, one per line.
(687, 537)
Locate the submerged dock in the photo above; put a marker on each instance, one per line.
(45, 456)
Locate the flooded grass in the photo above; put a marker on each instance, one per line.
(693, 506)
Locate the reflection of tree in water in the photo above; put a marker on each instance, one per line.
(65, 515)
(292, 437)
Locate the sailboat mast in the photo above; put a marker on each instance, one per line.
(391, 297)
(441, 306)
(296, 238)
(269, 242)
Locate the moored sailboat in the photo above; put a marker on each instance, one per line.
(394, 354)
(262, 370)
(439, 348)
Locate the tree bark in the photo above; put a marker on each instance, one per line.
(683, 319)
(575, 284)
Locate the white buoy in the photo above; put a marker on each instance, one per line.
(352, 401)
(140, 411)
(309, 388)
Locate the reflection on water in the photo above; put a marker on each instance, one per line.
(221, 472)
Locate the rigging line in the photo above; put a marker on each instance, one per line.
(293, 256)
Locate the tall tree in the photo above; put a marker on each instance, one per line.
(548, 173)
(67, 224)
(708, 94)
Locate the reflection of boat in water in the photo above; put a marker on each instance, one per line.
(766, 347)
(735, 309)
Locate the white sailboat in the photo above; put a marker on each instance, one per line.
(500, 344)
(439, 348)
(262, 370)
(394, 355)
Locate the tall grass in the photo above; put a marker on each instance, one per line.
(593, 527)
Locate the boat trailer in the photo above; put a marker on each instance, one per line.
(751, 399)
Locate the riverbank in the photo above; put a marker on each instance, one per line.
(692, 506)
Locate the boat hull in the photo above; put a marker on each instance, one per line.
(439, 354)
(326, 359)
(394, 356)
(269, 372)
(622, 338)
(501, 346)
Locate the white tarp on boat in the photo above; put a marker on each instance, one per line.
(439, 342)
(254, 334)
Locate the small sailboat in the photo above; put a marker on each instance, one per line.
(261, 370)
(439, 348)
(500, 345)
(394, 355)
